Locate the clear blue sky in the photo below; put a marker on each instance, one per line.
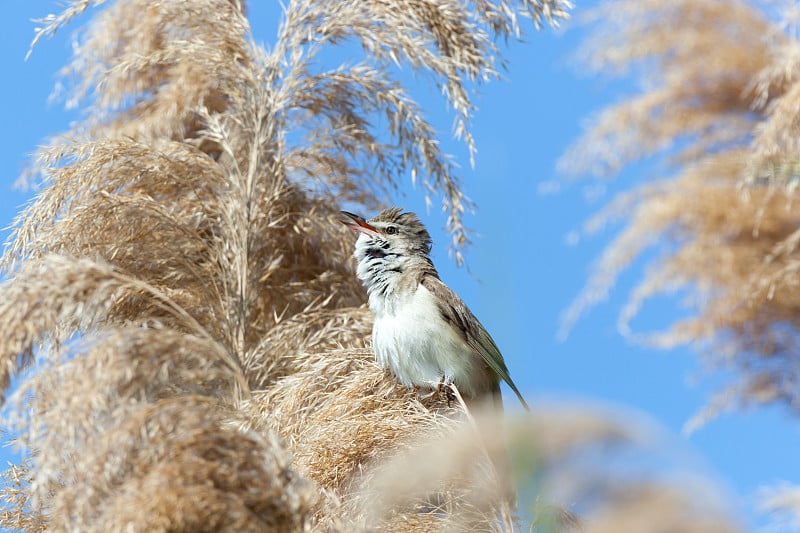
(523, 273)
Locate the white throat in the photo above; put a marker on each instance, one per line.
(384, 272)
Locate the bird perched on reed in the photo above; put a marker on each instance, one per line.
(423, 332)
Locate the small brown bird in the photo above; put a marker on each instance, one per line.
(423, 332)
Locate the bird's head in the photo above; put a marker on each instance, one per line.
(392, 239)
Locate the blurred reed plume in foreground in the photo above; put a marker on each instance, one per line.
(181, 317)
(720, 108)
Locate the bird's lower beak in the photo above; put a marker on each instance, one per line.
(357, 223)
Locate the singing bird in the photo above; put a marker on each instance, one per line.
(423, 332)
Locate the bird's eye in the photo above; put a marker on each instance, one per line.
(391, 230)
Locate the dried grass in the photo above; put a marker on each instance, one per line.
(719, 101)
(654, 509)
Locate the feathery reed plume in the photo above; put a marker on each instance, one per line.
(720, 104)
(782, 503)
(180, 289)
(555, 454)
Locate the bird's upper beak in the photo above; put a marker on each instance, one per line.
(357, 223)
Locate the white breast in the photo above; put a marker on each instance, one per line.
(414, 342)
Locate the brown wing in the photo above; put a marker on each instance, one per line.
(455, 311)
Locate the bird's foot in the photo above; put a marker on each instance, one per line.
(444, 387)
(450, 395)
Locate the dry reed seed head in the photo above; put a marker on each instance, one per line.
(587, 461)
(726, 211)
(341, 410)
(65, 408)
(114, 367)
(17, 512)
(131, 47)
(658, 509)
(564, 469)
(344, 417)
(278, 354)
(171, 182)
(446, 472)
(203, 473)
(158, 56)
(188, 244)
(685, 95)
(48, 301)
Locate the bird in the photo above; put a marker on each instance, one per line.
(423, 332)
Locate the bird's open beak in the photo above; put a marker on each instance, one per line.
(357, 223)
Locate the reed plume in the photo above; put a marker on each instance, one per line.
(719, 108)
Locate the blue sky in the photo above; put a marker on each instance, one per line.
(522, 271)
